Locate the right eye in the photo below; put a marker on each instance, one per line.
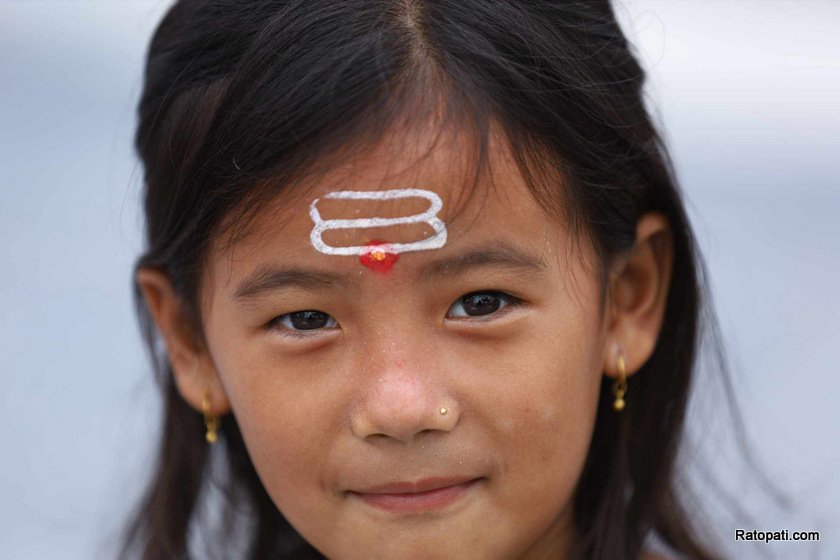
(308, 320)
(482, 304)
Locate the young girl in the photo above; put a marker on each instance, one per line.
(418, 284)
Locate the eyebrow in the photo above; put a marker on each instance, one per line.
(496, 256)
(499, 255)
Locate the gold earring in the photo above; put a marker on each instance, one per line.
(620, 385)
(211, 421)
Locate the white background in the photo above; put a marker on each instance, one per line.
(747, 93)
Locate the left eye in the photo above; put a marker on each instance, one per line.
(309, 320)
(479, 304)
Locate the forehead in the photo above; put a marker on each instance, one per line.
(487, 203)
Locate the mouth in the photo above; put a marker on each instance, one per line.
(423, 495)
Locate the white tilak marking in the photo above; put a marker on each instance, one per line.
(438, 239)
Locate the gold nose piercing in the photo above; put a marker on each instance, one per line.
(443, 411)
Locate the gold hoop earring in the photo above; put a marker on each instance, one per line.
(620, 385)
(211, 421)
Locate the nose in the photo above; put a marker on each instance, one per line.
(402, 403)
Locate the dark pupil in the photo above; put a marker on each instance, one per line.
(307, 320)
(481, 304)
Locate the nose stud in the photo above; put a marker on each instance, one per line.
(443, 411)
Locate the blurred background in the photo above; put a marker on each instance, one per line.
(747, 94)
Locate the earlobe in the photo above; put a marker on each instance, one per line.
(639, 286)
(192, 365)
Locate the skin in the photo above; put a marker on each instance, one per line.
(356, 403)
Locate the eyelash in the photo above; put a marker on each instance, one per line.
(276, 323)
(511, 302)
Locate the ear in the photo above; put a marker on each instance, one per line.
(191, 362)
(639, 282)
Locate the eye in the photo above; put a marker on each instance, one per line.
(479, 304)
(308, 320)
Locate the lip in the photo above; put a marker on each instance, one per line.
(423, 495)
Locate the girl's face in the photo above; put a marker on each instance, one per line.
(439, 409)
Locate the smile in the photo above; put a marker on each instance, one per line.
(424, 495)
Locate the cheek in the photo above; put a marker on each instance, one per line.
(285, 428)
(551, 419)
(551, 432)
(543, 425)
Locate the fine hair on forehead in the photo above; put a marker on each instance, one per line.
(423, 102)
(470, 143)
(248, 104)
